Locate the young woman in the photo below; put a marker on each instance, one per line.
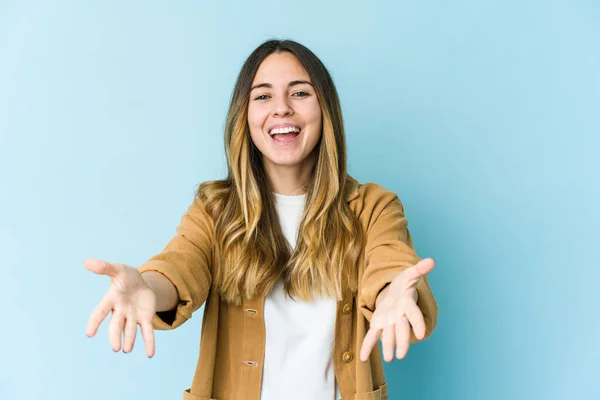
(301, 269)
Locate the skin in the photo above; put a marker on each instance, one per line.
(132, 301)
(283, 94)
(396, 313)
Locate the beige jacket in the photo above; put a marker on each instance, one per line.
(232, 341)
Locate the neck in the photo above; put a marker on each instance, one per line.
(289, 180)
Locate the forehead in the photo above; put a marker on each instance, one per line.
(280, 68)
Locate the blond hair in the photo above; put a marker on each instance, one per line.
(251, 251)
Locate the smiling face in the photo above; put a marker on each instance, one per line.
(284, 114)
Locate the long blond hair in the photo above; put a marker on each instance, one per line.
(251, 251)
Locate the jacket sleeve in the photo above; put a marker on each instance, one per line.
(388, 251)
(187, 262)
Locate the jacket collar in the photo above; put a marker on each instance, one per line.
(351, 188)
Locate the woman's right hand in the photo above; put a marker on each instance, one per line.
(131, 301)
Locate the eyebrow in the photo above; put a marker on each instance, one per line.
(292, 83)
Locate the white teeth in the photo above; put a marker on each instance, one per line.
(284, 130)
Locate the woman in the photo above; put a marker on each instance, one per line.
(301, 269)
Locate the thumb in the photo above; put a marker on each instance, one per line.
(419, 270)
(101, 267)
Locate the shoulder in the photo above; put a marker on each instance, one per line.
(374, 199)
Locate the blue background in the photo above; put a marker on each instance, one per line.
(483, 116)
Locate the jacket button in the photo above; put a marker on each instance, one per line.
(347, 309)
(347, 356)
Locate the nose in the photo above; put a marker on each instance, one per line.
(282, 107)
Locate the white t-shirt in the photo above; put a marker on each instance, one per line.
(299, 335)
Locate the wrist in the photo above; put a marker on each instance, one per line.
(382, 294)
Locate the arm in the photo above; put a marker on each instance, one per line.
(164, 290)
(181, 275)
(388, 251)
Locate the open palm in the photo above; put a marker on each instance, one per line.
(397, 314)
(132, 303)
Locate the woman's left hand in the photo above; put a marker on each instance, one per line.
(396, 312)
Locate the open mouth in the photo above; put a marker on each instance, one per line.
(285, 135)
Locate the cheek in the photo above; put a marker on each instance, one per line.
(256, 121)
(315, 117)
(253, 116)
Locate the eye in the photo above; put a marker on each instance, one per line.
(262, 97)
(302, 94)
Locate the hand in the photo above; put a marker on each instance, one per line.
(131, 301)
(395, 312)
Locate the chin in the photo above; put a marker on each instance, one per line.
(285, 163)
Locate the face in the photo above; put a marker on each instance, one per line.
(284, 114)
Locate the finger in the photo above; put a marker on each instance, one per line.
(129, 335)
(388, 341)
(98, 315)
(416, 319)
(369, 342)
(148, 335)
(419, 270)
(115, 329)
(102, 267)
(402, 337)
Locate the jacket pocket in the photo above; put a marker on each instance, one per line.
(188, 396)
(380, 394)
